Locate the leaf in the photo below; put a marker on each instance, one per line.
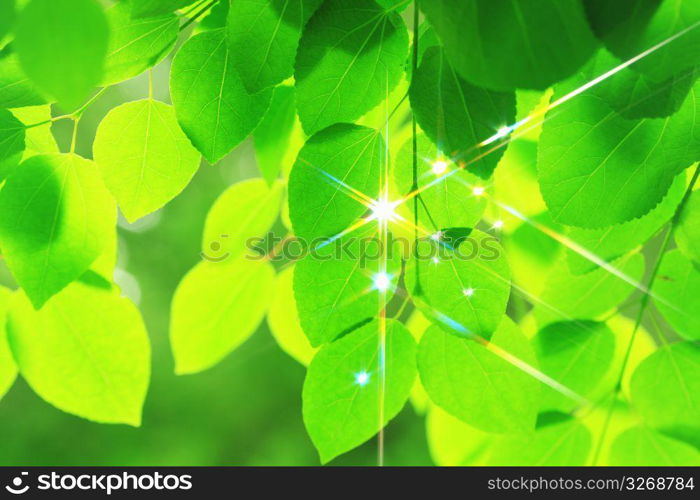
(335, 288)
(57, 216)
(351, 55)
(458, 116)
(245, 210)
(577, 354)
(639, 446)
(635, 95)
(212, 106)
(38, 139)
(7, 17)
(586, 296)
(506, 45)
(562, 444)
(16, 90)
(8, 369)
(665, 390)
(150, 8)
(591, 169)
(687, 232)
(273, 134)
(467, 290)
(217, 306)
(136, 44)
(319, 205)
(451, 201)
(342, 387)
(476, 385)
(283, 320)
(631, 27)
(677, 294)
(613, 241)
(11, 142)
(143, 156)
(62, 47)
(86, 352)
(454, 443)
(267, 32)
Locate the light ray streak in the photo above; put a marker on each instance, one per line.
(503, 131)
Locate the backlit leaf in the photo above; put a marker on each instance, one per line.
(62, 47)
(665, 390)
(268, 33)
(245, 210)
(217, 306)
(466, 290)
(341, 389)
(16, 90)
(351, 55)
(136, 44)
(456, 115)
(12, 144)
(508, 44)
(212, 106)
(86, 352)
(640, 446)
(319, 205)
(677, 294)
(272, 136)
(476, 385)
(687, 233)
(8, 369)
(144, 157)
(577, 354)
(57, 215)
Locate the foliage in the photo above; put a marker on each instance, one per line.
(538, 159)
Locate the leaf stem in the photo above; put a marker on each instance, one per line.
(642, 308)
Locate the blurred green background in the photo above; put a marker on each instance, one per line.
(244, 411)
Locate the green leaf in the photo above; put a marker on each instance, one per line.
(12, 144)
(454, 443)
(590, 169)
(665, 390)
(273, 134)
(351, 55)
(245, 210)
(319, 205)
(611, 242)
(562, 444)
(16, 90)
(283, 320)
(334, 285)
(62, 47)
(576, 354)
(631, 27)
(456, 115)
(639, 446)
(7, 17)
(687, 232)
(136, 44)
(467, 290)
(143, 156)
(86, 352)
(451, 201)
(677, 294)
(149, 8)
(217, 306)
(212, 106)
(38, 139)
(587, 296)
(341, 395)
(57, 216)
(8, 369)
(635, 95)
(505, 45)
(476, 385)
(266, 33)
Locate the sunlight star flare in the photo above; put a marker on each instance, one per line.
(362, 378)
